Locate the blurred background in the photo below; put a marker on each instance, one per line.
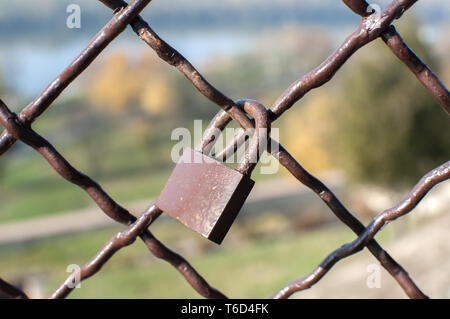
(370, 134)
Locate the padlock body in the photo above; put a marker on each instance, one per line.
(204, 194)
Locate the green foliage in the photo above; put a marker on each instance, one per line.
(389, 129)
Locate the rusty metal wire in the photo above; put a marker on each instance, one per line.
(373, 25)
(419, 191)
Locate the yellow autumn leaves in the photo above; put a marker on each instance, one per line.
(120, 83)
(307, 131)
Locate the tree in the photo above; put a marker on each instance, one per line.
(388, 128)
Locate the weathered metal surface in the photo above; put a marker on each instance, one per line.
(206, 195)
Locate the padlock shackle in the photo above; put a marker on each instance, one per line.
(217, 125)
(257, 144)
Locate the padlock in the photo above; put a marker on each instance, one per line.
(205, 194)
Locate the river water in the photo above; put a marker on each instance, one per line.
(27, 67)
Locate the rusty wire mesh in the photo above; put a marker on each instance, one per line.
(373, 25)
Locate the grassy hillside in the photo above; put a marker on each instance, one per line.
(240, 268)
(27, 18)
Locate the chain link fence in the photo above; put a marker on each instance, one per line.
(373, 25)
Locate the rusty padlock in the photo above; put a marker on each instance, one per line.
(205, 194)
